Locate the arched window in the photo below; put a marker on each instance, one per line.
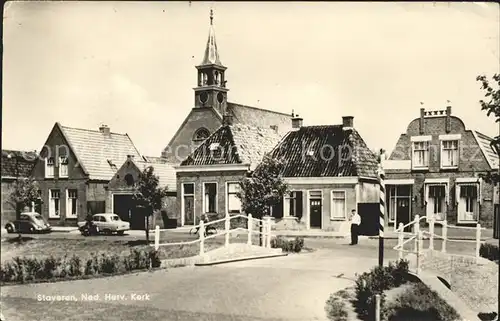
(201, 134)
(129, 179)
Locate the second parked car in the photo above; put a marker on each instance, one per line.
(29, 222)
(108, 223)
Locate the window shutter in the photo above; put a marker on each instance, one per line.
(299, 204)
(447, 193)
(479, 190)
(457, 193)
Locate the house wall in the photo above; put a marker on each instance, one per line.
(327, 223)
(182, 143)
(472, 162)
(198, 178)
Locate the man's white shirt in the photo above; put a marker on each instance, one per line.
(356, 219)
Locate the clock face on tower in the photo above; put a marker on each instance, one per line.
(204, 97)
(220, 97)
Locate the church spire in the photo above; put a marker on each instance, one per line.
(211, 54)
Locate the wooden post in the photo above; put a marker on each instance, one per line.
(401, 239)
(431, 232)
(377, 307)
(445, 236)
(416, 230)
(419, 250)
(478, 241)
(201, 231)
(268, 245)
(157, 237)
(250, 227)
(227, 229)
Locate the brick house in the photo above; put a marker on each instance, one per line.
(119, 191)
(329, 171)
(15, 164)
(208, 179)
(435, 169)
(211, 103)
(73, 169)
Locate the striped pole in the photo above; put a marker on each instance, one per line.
(381, 178)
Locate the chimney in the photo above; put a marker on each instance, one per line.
(227, 120)
(348, 122)
(297, 122)
(421, 123)
(105, 130)
(448, 119)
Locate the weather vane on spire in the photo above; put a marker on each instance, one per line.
(211, 16)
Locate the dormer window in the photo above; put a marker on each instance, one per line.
(201, 134)
(49, 167)
(63, 166)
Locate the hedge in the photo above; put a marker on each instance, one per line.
(489, 251)
(296, 245)
(27, 270)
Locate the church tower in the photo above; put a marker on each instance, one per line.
(211, 90)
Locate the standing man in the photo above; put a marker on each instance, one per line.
(355, 222)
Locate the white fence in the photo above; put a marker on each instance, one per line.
(417, 237)
(204, 226)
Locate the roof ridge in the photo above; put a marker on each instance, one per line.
(92, 130)
(262, 109)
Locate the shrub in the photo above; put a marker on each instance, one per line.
(487, 316)
(419, 303)
(336, 308)
(378, 280)
(296, 245)
(22, 269)
(489, 251)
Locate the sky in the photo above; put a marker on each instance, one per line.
(130, 65)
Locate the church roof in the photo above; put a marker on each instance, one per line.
(211, 56)
(262, 118)
(234, 144)
(325, 151)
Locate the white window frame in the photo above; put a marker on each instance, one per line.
(446, 198)
(338, 218)
(458, 186)
(52, 208)
(286, 203)
(420, 139)
(183, 214)
(396, 197)
(442, 150)
(227, 197)
(63, 174)
(68, 203)
(51, 166)
(216, 197)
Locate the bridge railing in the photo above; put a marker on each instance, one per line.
(417, 236)
(203, 226)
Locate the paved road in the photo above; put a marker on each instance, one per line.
(294, 287)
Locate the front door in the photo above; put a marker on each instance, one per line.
(403, 212)
(315, 212)
(189, 210)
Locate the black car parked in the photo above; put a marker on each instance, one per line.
(29, 222)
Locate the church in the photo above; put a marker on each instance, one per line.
(211, 104)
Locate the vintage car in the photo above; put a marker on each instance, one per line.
(29, 222)
(107, 223)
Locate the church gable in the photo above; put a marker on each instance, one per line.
(125, 177)
(187, 137)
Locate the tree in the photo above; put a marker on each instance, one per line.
(25, 193)
(262, 189)
(491, 105)
(148, 195)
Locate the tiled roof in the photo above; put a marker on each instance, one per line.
(19, 164)
(488, 151)
(325, 151)
(234, 144)
(99, 152)
(164, 171)
(262, 118)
